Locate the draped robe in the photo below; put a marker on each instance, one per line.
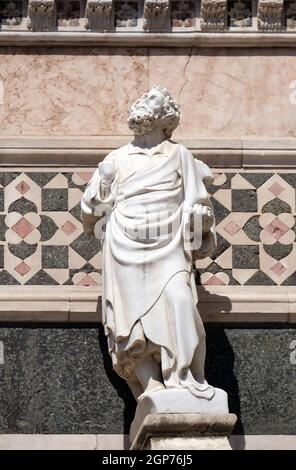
(149, 295)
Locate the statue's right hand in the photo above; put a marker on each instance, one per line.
(107, 172)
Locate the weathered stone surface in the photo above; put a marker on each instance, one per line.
(244, 200)
(179, 402)
(252, 365)
(180, 431)
(189, 443)
(61, 379)
(213, 87)
(246, 256)
(54, 199)
(80, 92)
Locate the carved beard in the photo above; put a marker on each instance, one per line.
(141, 120)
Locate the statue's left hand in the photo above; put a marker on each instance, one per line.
(207, 219)
(107, 172)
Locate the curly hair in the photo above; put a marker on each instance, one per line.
(169, 116)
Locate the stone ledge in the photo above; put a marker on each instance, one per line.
(49, 304)
(141, 39)
(63, 441)
(252, 304)
(121, 442)
(217, 304)
(87, 151)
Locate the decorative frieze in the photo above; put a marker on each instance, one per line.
(126, 13)
(270, 15)
(213, 15)
(183, 14)
(152, 15)
(156, 14)
(99, 14)
(41, 15)
(240, 13)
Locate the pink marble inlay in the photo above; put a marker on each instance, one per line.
(22, 268)
(276, 189)
(278, 269)
(68, 228)
(87, 281)
(85, 175)
(22, 187)
(23, 228)
(277, 228)
(232, 228)
(214, 281)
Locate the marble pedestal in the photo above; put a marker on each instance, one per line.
(200, 431)
(176, 420)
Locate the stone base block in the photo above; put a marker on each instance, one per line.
(178, 401)
(200, 431)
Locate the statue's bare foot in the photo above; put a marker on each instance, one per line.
(173, 385)
(153, 386)
(173, 381)
(200, 388)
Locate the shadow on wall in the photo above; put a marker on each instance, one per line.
(220, 359)
(219, 369)
(119, 384)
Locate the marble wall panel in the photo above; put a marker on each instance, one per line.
(229, 93)
(223, 93)
(70, 91)
(60, 380)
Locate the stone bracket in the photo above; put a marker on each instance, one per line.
(41, 15)
(213, 15)
(156, 14)
(99, 14)
(270, 15)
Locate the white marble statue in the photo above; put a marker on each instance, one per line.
(149, 204)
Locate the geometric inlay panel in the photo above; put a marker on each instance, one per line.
(41, 235)
(255, 215)
(42, 240)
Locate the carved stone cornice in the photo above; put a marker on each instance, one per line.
(98, 14)
(41, 15)
(213, 15)
(270, 14)
(84, 38)
(16, 150)
(156, 14)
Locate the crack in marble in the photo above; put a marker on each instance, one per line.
(96, 447)
(186, 81)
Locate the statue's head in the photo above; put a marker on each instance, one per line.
(155, 108)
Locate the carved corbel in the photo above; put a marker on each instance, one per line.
(41, 15)
(270, 14)
(213, 15)
(98, 14)
(156, 14)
